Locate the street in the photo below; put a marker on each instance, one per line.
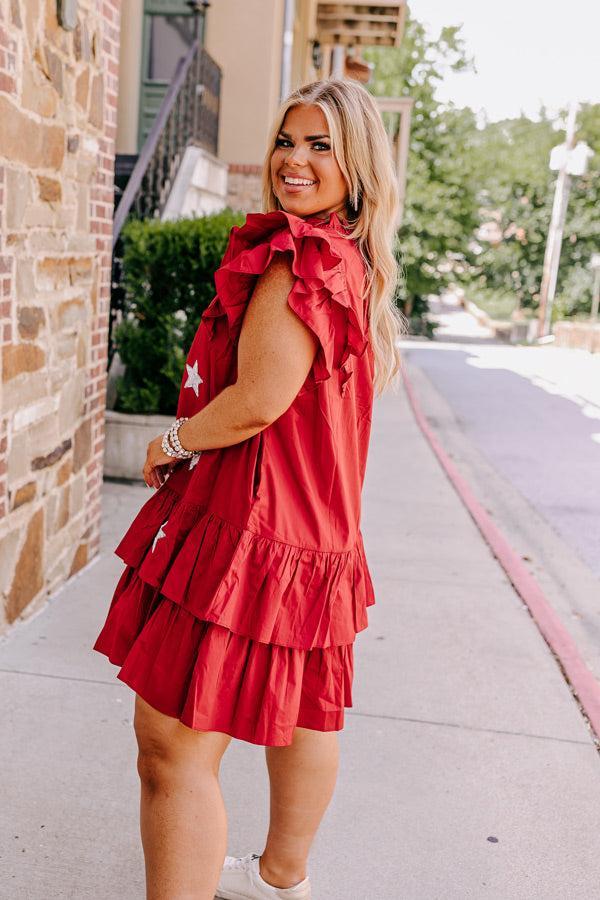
(524, 421)
(534, 412)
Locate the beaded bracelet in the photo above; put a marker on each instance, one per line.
(174, 437)
(171, 444)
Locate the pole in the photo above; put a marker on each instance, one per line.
(338, 61)
(555, 232)
(596, 294)
(402, 156)
(287, 42)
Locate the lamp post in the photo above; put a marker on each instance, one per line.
(569, 159)
(198, 8)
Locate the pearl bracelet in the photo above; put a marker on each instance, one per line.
(171, 444)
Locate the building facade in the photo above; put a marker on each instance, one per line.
(265, 48)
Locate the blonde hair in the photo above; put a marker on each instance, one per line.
(360, 145)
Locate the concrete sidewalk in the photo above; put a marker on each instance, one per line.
(467, 770)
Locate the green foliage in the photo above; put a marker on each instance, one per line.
(515, 187)
(440, 212)
(582, 229)
(461, 176)
(497, 304)
(168, 270)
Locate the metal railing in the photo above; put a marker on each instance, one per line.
(188, 115)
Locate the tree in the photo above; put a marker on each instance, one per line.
(582, 228)
(514, 183)
(460, 176)
(441, 211)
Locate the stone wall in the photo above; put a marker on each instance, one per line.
(244, 187)
(58, 98)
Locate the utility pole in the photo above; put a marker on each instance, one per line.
(555, 233)
(285, 77)
(596, 288)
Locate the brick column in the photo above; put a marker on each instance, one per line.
(58, 102)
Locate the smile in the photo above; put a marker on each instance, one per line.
(293, 185)
(290, 179)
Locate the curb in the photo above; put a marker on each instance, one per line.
(580, 679)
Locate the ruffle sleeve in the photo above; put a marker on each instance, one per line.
(319, 295)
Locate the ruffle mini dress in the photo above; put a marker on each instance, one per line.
(245, 579)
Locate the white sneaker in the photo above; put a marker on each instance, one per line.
(241, 880)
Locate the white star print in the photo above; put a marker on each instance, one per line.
(160, 534)
(194, 460)
(193, 379)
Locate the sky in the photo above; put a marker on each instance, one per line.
(527, 52)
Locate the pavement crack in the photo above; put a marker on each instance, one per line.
(463, 727)
(62, 677)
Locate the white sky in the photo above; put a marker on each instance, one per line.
(526, 52)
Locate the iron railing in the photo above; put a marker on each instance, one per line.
(188, 115)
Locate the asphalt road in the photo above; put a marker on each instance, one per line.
(532, 412)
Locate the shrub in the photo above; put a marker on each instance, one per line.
(168, 281)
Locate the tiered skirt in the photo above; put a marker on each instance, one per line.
(230, 631)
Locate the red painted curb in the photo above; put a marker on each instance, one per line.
(579, 676)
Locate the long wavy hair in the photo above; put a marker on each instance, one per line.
(361, 147)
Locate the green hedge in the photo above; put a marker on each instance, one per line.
(168, 279)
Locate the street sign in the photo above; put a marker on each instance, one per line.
(575, 161)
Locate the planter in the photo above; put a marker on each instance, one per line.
(524, 331)
(126, 440)
(579, 335)
(501, 328)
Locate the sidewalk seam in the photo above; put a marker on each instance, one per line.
(60, 677)
(462, 727)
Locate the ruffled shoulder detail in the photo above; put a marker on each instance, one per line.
(320, 295)
(263, 589)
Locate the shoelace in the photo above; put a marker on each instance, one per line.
(241, 862)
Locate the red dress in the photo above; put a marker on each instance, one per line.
(246, 580)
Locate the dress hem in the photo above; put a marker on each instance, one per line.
(211, 679)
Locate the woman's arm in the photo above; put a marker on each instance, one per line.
(275, 352)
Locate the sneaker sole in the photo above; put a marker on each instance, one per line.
(230, 895)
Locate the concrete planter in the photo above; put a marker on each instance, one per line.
(512, 331)
(126, 442)
(500, 328)
(579, 335)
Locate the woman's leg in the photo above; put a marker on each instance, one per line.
(302, 778)
(183, 822)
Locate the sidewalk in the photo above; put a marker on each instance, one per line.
(466, 768)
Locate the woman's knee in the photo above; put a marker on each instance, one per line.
(166, 747)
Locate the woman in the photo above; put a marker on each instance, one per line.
(246, 581)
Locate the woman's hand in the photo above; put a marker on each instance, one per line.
(158, 464)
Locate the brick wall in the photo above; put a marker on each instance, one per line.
(58, 104)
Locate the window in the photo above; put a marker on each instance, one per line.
(170, 39)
